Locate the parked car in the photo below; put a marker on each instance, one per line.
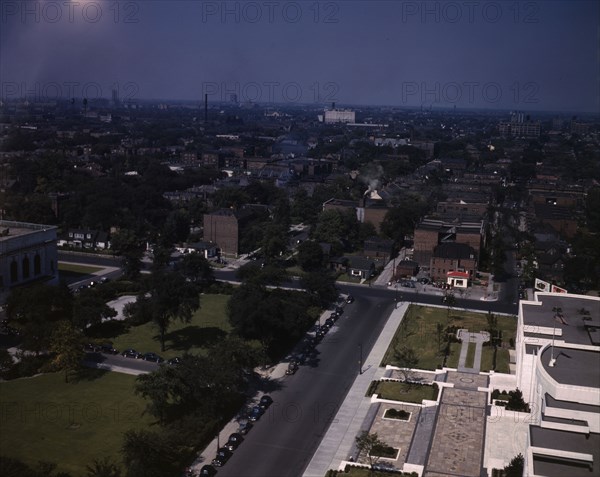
(152, 357)
(292, 368)
(89, 348)
(107, 348)
(175, 360)
(265, 401)
(350, 299)
(256, 413)
(223, 455)
(234, 441)
(330, 322)
(244, 427)
(131, 353)
(207, 471)
(339, 310)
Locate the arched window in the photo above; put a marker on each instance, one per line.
(37, 264)
(25, 267)
(14, 276)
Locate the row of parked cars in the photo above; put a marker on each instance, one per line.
(108, 348)
(307, 349)
(225, 452)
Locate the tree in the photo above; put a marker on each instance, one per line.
(330, 227)
(176, 229)
(366, 443)
(170, 297)
(407, 359)
(36, 310)
(450, 301)
(274, 241)
(492, 321)
(516, 402)
(310, 255)
(277, 318)
(103, 468)
(320, 284)
(516, 466)
(126, 243)
(89, 308)
(401, 220)
(148, 454)
(66, 344)
(262, 274)
(207, 384)
(196, 269)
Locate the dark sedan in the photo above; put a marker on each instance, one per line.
(256, 412)
(234, 441)
(223, 455)
(152, 357)
(265, 402)
(131, 353)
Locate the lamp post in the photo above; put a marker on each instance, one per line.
(552, 358)
(360, 359)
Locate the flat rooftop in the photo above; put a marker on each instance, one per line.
(573, 406)
(573, 366)
(10, 229)
(574, 308)
(566, 441)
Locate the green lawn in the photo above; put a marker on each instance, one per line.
(419, 331)
(469, 361)
(405, 392)
(208, 324)
(43, 418)
(74, 268)
(454, 355)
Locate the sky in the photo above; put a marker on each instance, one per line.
(510, 55)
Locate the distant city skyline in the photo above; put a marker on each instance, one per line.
(527, 56)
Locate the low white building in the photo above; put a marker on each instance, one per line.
(333, 116)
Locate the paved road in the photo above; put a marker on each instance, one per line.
(107, 361)
(284, 440)
(89, 258)
(282, 443)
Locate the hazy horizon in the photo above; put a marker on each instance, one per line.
(504, 56)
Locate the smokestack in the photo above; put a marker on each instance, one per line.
(333, 106)
(206, 107)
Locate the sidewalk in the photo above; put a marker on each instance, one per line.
(340, 437)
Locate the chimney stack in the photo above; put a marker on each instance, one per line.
(205, 107)
(333, 106)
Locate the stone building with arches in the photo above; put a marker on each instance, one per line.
(27, 254)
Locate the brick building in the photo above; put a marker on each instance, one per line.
(431, 232)
(224, 228)
(448, 257)
(367, 211)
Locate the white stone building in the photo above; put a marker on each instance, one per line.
(558, 371)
